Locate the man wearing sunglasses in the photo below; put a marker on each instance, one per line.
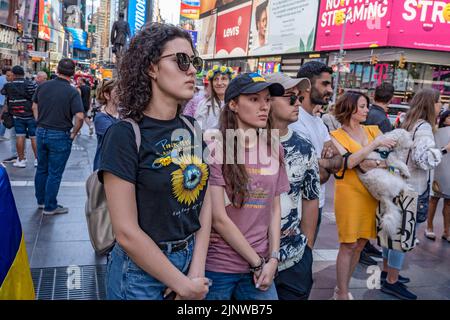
(299, 206)
(313, 128)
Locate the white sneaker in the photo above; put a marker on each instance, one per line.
(20, 163)
(35, 162)
(59, 210)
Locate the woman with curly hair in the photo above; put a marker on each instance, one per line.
(245, 191)
(157, 195)
(208, 110)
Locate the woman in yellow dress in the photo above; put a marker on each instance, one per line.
(355, 207)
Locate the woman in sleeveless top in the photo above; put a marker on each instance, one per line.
(355, 207)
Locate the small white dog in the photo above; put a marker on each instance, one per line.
(386, 184)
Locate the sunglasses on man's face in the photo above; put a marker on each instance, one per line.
(184, 61)
(293, 99)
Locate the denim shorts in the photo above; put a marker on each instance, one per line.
(25, 127)
(125, 280)
(239, 286)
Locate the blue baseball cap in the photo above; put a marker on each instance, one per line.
(248, 83)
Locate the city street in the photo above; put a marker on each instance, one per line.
(64, 265)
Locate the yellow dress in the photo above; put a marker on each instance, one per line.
(354, 206)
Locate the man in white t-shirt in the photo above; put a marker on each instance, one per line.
(313, 128)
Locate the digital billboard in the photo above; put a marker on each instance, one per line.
(366, 26)
(424, 25)
(232, 31)
(282, 26)
(137, 15)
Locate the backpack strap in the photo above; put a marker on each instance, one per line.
(189, 125)
(137, 131)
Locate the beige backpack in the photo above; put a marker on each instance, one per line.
(96, 210)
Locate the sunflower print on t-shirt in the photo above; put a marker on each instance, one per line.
(190, 179)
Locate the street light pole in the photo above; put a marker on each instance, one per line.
(339, 62)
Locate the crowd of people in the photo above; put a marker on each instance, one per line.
(223, 196)
(50, 114)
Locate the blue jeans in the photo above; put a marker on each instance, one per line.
(394, 258)
(25, 127)
(2, 129)
(125, 280)
(239, 286)
(53, 151)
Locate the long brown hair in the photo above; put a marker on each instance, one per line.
(422, 108)
(235, 175)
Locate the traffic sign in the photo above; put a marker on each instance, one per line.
(25, 40)
(91, 28)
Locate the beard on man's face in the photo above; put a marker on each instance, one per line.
(319, 98)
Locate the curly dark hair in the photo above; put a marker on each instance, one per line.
(313, 70)
(134, 90)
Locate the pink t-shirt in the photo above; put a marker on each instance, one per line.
(252, 219)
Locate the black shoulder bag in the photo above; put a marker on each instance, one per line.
(8, 120)
(345, 156)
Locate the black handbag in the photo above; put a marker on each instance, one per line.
(8, 120)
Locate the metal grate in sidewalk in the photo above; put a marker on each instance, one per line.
(70, 283)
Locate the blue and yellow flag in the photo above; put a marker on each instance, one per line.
(15, 275)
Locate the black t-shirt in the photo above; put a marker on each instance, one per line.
(57, 103)
(169, 195)
(85, 96)
(18, 97)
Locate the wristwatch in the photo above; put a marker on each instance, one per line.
(444, 151)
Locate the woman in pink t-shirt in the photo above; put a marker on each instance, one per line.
(245, 238)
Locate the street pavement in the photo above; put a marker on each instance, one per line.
(59, 247)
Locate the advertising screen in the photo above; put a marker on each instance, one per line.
(45, 17)
(7, 12)
(366, 26)
(79, 38)
(233, 26)
(137, 10)
(209, 5)
(282, 26)
(424, 25)
(190, 9)
(206, 36)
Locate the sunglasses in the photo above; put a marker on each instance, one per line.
(293, 99)
(184, 61)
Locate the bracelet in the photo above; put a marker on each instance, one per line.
(259, 267)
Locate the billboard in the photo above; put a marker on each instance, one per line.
(79, 37)
(45, 17)
(366, 26)
(137, 15)
(424, 26)
(73, 14)
(209, 5)
(7, 12)
(232, 31)
(206, 36)
(282, 26)
(194, 36)
(190, 9)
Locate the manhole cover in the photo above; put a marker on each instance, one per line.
(70, 283)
